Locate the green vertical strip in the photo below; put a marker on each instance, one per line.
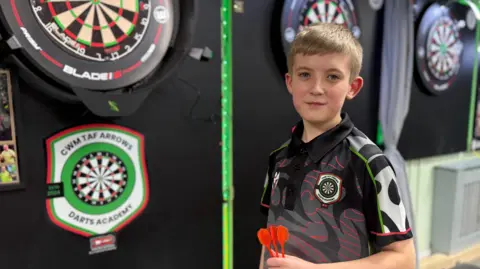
(473, 93)
(227, 134)
(379, 134)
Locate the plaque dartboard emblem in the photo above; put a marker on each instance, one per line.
(328, 188)
(97, 178)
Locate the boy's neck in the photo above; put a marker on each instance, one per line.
(312, 130)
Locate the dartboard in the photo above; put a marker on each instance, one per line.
(98, 30)
(442, 49)
(439, 48)
(99, 178)
(298, 14)
(92, 44)
(328, 188)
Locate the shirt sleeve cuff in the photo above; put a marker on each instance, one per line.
(384, 239)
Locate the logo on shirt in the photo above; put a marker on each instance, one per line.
(275, 179)
(328, 188)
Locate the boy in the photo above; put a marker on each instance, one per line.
(329, 184)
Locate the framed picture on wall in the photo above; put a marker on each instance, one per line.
(9, 164)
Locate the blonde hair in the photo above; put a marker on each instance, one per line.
(326, 38)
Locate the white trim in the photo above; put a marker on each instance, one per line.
(425, 254)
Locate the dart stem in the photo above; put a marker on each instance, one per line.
(227, 126)
(271, 252)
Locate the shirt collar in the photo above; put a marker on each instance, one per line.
(322, 144)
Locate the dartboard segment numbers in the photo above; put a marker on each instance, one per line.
(299, 14)
(98, 30)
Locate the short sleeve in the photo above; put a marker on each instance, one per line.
(385, 213)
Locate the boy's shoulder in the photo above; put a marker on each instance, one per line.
(361, 145)
(356, 142)
(277, 154)
(370, 153)
(281, 148)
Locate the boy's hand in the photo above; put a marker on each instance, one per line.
(289, 262)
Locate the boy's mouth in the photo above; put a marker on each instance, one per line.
(316, 103)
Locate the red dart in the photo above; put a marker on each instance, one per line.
(265, 239)
(282, 237)
(273, 234)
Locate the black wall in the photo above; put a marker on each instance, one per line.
(181, 226)
(264, 114)
(438, 125)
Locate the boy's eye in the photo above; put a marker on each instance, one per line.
(333, 77)
(304, 75)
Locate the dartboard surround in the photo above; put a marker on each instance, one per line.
(439, 49)
(98, 30)
(306, 12)
(92, 44)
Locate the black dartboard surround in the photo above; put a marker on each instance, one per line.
(418, 7)
(74, 71)
(439, 48)
(431, 128)
(300, 13)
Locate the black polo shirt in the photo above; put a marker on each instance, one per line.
(337, 195)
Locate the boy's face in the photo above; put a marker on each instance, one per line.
(319, 85)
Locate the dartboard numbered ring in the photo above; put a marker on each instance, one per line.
(439, 49)
(93, 44)
(297, 14)
(99, 178)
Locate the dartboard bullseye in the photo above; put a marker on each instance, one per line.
(99, 178)
(90, 44)
(439, 48)
(97, 30)
(298, 14)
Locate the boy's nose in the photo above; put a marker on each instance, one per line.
(318, 89)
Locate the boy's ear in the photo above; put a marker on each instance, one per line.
(355, 88)
(288, 82)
